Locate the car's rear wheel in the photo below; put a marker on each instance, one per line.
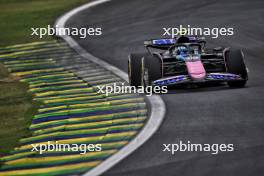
(235, 64)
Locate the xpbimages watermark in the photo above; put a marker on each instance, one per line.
(57, 147)
(123, 88)
(81, 32)
(194, 147)
(197, 31)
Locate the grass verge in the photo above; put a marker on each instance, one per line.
(16, 110)
(19, 16)
(16, 105)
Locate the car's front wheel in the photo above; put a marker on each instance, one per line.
(136, 69)
(153, 68)
(235, 64)
(143, 69)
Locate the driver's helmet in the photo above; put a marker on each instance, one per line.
(181, 50)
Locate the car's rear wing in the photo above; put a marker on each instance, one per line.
(165, 43)
(160, 43)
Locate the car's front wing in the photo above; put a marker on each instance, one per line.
(180, 79)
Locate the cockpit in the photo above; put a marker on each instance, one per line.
(182, 51)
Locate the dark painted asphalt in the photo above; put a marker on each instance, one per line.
(204, 115)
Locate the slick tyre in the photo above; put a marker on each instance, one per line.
(135, 69)
(153, 71)
(235, 64)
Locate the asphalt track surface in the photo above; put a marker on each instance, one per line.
(205, 115)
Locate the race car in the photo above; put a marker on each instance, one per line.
(186, 60)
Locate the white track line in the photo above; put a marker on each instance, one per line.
(157, 106)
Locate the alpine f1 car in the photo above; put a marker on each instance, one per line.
(186, 60)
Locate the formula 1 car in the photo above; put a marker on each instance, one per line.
(186, 60)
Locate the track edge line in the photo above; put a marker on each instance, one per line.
(157, 105)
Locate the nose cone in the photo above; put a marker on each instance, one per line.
(196, 70)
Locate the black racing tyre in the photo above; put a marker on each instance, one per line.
(153, 68)
(235, 64)
(135, 67)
